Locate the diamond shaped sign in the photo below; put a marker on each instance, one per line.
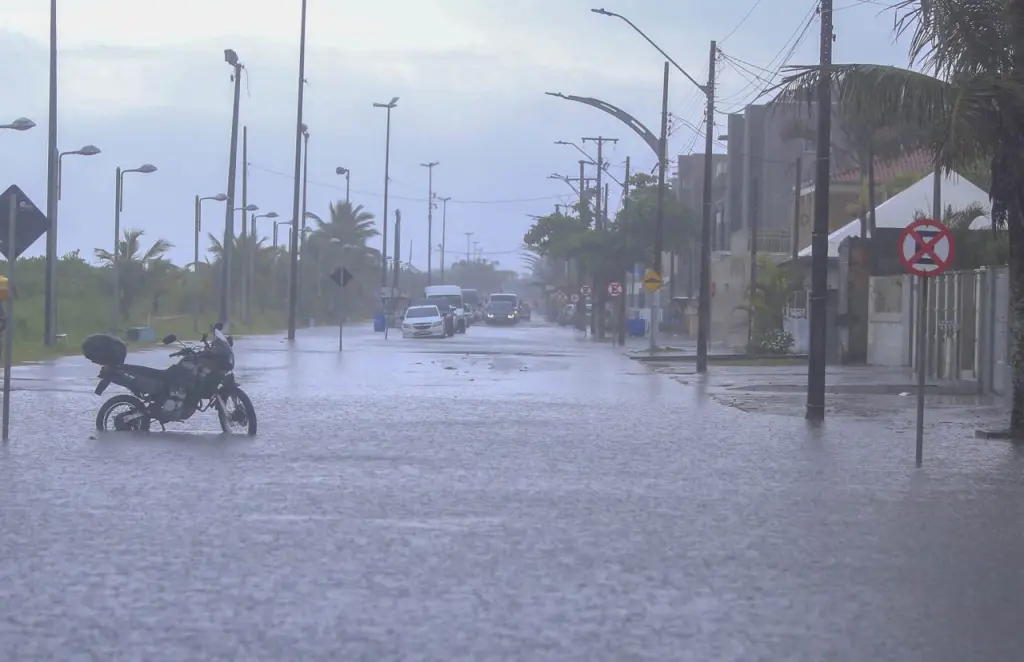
(30, 222)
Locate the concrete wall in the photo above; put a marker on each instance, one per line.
(966, 326)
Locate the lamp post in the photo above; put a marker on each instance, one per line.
(20, 124)
(305, 181)
(345, 171)
(229, 214)
(704, 299)
(430, 219)
(250, 259)
(444, 231)
(50, 299)
(220, 197)
(389, 106)
(118, 204)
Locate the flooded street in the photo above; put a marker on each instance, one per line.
(509, 494)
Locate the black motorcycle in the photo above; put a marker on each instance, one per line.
(201, 380)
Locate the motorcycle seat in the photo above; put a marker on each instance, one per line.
(144, 371)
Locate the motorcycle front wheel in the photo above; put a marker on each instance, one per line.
(235, 412)
(122, 413)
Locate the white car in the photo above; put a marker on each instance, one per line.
(423, 322)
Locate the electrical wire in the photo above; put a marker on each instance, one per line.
(510, 201)
(742, 21)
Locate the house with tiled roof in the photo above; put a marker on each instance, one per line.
(848, 195)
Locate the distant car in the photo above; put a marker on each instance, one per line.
(566, 314)
(424, 322)
(524, 312)
(500, 313)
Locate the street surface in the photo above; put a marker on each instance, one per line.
(511, 494)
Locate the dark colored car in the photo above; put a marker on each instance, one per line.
(524, 312)
(500, 313)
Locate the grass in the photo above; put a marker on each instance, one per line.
(78, 321)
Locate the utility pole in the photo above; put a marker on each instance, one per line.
(704, 298)
(600, 223)
(795, 243)
(625, 257)
(430, 219)
(229, 213)
(293, 265)
(659, 232)
(397, 260)
(755, 209)
(444, 231)
(469, 236)
(244, 235)
(818, 303)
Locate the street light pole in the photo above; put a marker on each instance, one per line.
(220, 197)
(469, 236)
(444, 231)
(430, 219)
(50, 306)
(293, 267)
(704, 301)
(52, 159)
(387, 165)
(250, 257)
(345, 171)
(118, 203)
(229, 213)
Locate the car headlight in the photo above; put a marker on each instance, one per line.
(490, 314)
(511, 316)
(437, 323)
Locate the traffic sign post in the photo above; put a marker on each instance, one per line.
(926, 250)
(615, 289)
(10, 250)
(585, 290)
(341, 277)
(652, 280)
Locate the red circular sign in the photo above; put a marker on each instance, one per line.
(615, 289)
(926, 248)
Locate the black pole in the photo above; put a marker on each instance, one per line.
(387, 178)
(398, 250)
(50, 307)
(195, 266)
(293, 267)
(819, 238)
(704, 298)
(229, 213)
(795, 243)
(243, 284)
(625, 257)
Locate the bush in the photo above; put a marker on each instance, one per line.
(772, 343)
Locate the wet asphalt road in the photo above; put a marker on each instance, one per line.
(514, 494)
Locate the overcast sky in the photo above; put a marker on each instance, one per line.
(146, 82)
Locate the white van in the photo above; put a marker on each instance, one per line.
(449, 296)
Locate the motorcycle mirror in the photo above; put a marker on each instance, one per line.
(204, 337)
(219, 326)
(170, 338)
(231, 341)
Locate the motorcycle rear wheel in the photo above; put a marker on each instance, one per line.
(235, 412)
(109, 419)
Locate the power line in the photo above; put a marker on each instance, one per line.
(740, 24)
(399, 197)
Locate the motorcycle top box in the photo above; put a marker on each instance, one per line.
(103, 349)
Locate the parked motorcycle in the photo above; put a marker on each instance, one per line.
(203, 379)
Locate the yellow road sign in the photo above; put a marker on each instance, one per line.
(652, 281)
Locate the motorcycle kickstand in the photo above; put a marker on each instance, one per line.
(163, 428)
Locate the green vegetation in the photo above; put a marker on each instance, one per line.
(767, 304)
(156, 292)
(966, 98)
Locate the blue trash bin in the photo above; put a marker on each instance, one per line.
(378, 323)
(637, 327)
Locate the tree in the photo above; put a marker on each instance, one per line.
(347, 225)
(138, 271)
(969, 99)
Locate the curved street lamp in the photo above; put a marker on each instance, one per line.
(144, 169)
(389, 106)
(345, 171)
(20, 124)
(50, 298)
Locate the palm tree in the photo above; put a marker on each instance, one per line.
(138, 270)
(969, 97)
(348, 226)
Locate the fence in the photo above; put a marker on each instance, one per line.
(967, 331)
